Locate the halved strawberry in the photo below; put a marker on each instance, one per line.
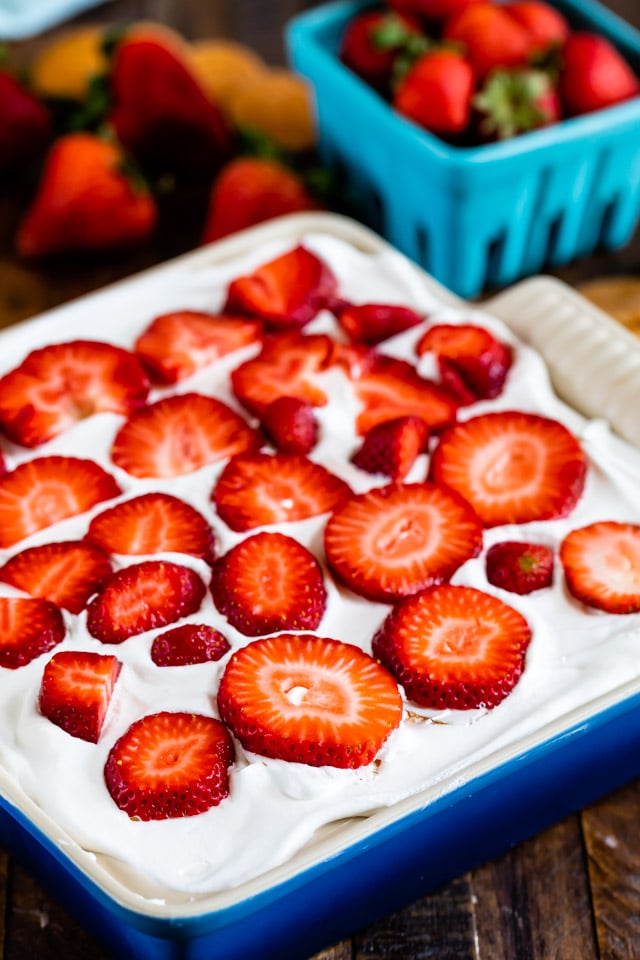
(286, 366)
(175, 345)
(520, 567)
(269, 582)
(153, 523)
(392, 447)
(395, 540)
(170, 765)
(143, 597)
(178, 435)
(512, 467)
(454, 647)
(41, 492)
(29, 627)
(261, 488)
(290, 424)
(310, 700)
(62, 383)
(67, 573)
(602, 565)
(473, 363)
(76, 691)
(371, 323)
(188, 644)
(285, 292)
(389, 388)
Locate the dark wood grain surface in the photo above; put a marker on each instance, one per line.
(570, 893)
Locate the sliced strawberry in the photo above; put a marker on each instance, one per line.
(602, 565)
(401, 538)
(473, 363)
(153, 523)
(287, 366)
(520, 567)
(76, 691)
(3, 464)
(29, 627)
(143, 597)
(290, 424)
(62, 383)
(392, 388)
(286, 292)
(512, 467)
(454, 648)
(176, 345)
(178, 435)
(269, 582)
(309, 700)
(41, 492)
(258, 489)
(371, 323)
(67, 573)
(189, 644)
(392, 447)
(170, 765)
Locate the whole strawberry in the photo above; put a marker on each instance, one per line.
(25, 125)
(436, 93)
(512, 102)
(489, 36)
(431, 9)
(594, 75)
(520, 567)
(86, 201)
(547, 26)
(371, 42)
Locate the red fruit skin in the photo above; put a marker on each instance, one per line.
(189, 644)
(490, 37)
(25, 125)
(436, 93)
(594, 75)
(546, 25)
(431, 9)
(160, 112)
(85, 202)
(371, 323)
(291, 425)
(29, 627)
(518, 567)
(391, 448)
(81, 713)
(473, 363)
(360, 52)
(250, 190)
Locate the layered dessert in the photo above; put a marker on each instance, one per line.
(285, 540)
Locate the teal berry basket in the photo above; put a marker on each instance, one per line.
(485, 216)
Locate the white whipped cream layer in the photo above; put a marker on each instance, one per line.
(275, 808)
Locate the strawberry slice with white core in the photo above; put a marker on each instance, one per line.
(269, 582)
(288, 365)
(67, 573)
(395, 540)
(371, 323)
(602, 565)
(285, 292)
(176, 345)
(390, 388)
(44, 491)
(512, 467)
(473, 363)
(142, 597)
(153, 523)
(179, 435)
(170, 765)
(29, 627)
(261, 488)
(76, 691)
(454, 647)
(62, 383)
(191, 643)
(310, 700)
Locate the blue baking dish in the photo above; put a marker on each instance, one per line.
(372, 865)
(483, 216)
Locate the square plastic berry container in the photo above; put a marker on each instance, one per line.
(477, 217)
(364, 865)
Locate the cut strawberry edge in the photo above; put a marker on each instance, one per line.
(454, 647)
(170, 765)
(519, 567)
(76, 690)
(601, 564)
(68, 572)
(309, 699)
(29, 627)
(189, 644)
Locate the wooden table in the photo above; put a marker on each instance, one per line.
(572, 892)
